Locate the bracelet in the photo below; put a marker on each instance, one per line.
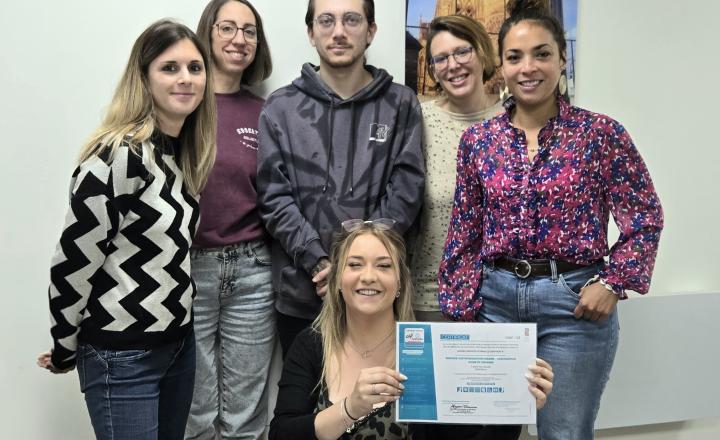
(344, 405)
(605, 284)
(345, 418)
(354, 423)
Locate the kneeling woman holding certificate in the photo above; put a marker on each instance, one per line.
(339, 378)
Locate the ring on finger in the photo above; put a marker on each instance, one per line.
(373, 389)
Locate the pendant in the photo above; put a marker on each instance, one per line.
(366, 354)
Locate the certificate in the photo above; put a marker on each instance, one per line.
(466, 372)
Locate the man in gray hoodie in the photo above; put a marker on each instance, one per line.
(341, 142)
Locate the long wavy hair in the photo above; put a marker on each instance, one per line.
(131, 119)
(331, 323)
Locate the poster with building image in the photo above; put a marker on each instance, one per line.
(491, 14)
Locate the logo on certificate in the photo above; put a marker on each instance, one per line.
(414, 336)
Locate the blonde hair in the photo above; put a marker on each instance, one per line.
(130, 119)
(331, 323)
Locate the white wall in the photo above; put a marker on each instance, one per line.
(649, 63)
(653, 65)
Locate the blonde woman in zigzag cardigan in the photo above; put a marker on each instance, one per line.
(121, 293)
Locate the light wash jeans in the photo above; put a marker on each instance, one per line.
(235, 331)
(138, 394)
(581, 352)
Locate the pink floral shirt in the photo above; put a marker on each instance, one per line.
(555, 206)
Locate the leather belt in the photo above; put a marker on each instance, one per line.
(534, 268)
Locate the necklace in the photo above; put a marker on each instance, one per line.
(368, 353)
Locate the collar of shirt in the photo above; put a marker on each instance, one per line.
(563, 118)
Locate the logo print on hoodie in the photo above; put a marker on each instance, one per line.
(379, 132)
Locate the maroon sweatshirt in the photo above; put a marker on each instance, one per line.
(228, 204)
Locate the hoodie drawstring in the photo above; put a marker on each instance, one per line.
(353, 143)
(331, 121)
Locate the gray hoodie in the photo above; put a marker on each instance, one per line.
(323, 159)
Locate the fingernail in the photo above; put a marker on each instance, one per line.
(529, 375)
(402, 387)
(403, 377)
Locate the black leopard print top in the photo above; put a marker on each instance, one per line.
(379, 425)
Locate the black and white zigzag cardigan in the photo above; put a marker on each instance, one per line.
(120, 276)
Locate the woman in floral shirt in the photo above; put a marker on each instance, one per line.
(528, 232)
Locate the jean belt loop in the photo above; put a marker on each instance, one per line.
(233, 252)
(553, 270)
(491, 265)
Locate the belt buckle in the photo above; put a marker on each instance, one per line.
(520, 265)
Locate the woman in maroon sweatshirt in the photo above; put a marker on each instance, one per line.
(234, 307)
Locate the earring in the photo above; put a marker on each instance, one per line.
(397, 295)
(562, 85)
(504, 93)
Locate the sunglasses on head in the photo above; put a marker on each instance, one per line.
(382, 224)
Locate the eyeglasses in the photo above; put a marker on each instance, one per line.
(227, 31)
(461, 56)
(381, 224)
(351, 21)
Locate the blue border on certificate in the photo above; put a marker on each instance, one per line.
(415, 358)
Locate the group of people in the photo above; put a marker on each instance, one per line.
(205, 222)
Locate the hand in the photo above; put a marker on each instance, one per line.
(320, 278)
(596, 303)
(374, 385)
(44, 360)
(540, 377)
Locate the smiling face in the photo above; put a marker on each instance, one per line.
(233, 56)
(176, 79)
(459, 81)
(341, 46)
(369, 280)
(532, 64)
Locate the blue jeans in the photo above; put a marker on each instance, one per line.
(138, 394)
(235, 330)
(581, 352)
